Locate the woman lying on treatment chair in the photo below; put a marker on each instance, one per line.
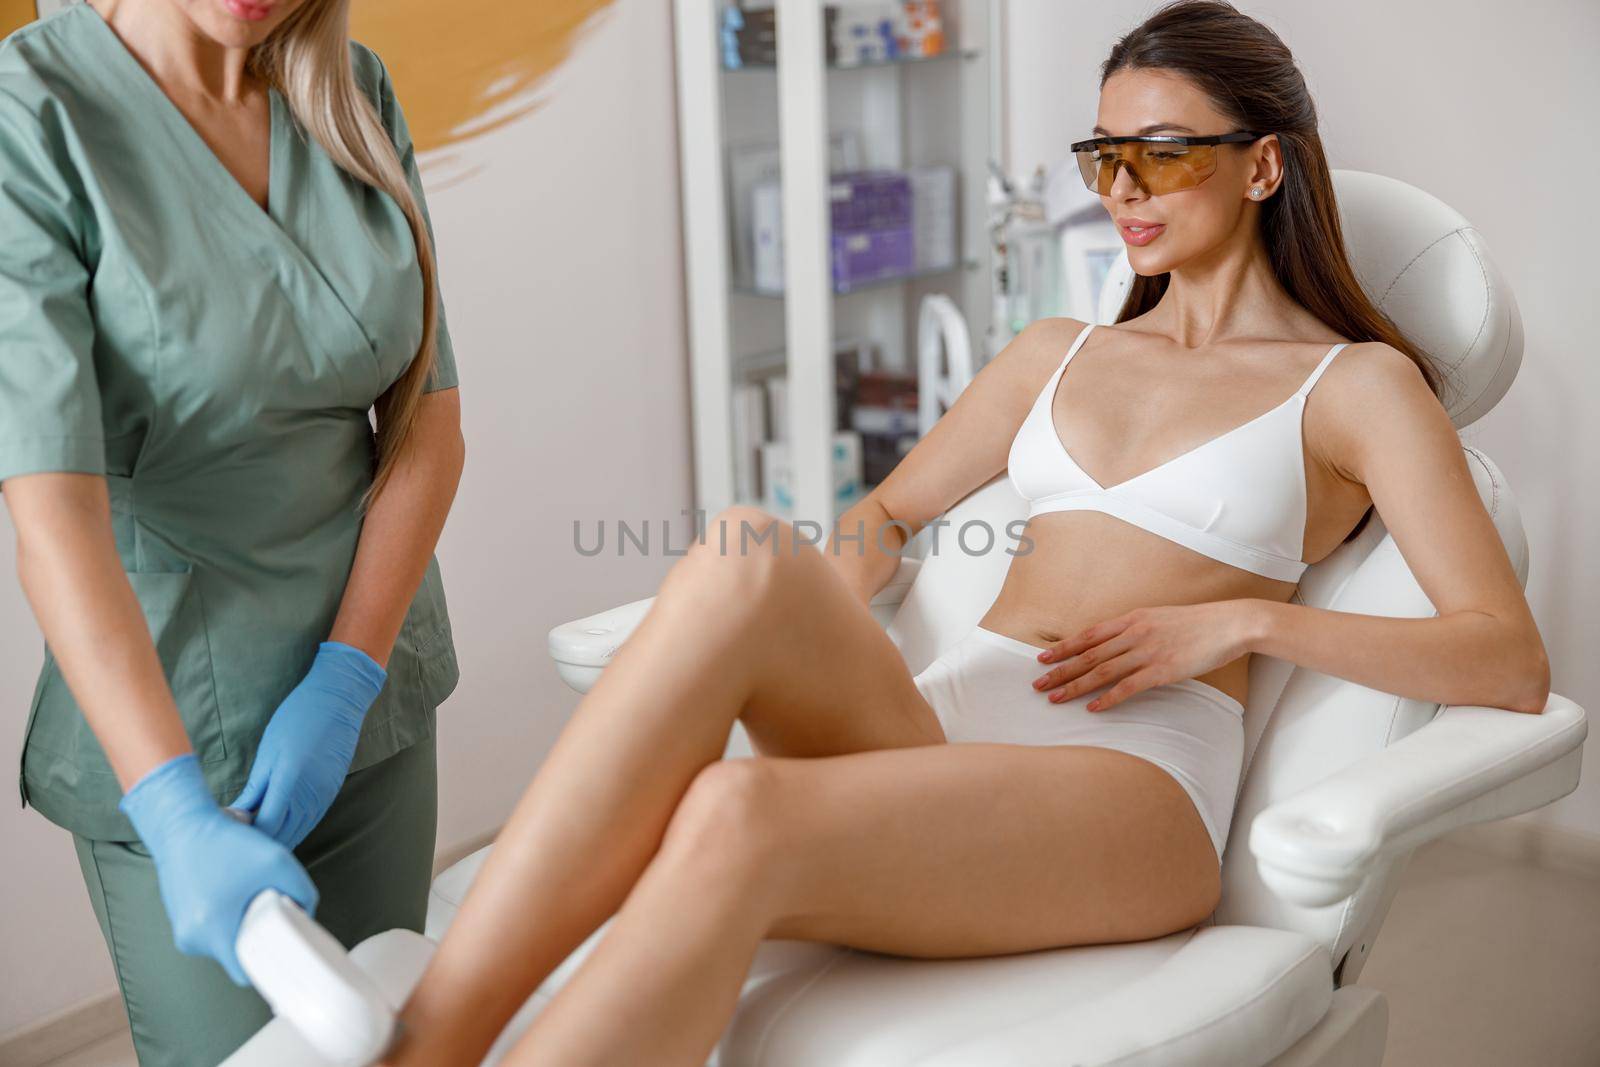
(1066, 773)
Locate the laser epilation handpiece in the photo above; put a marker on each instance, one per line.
(306, 977)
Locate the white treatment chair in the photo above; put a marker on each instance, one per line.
(1341, 784)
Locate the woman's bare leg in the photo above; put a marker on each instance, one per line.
(970, 849)
(773, 637)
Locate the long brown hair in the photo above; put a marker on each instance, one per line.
(1250, 76)
(307, 59)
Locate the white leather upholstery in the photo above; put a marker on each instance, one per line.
(1193, 997)
(1340, 783)
(1175, 999)
(1429, 270)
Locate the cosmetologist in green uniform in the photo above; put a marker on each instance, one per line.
(216, 363)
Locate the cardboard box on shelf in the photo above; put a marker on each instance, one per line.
(777, 475)
(884, 411)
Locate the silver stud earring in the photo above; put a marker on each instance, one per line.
(1256, 192)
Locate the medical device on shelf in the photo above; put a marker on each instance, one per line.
(1054, 249)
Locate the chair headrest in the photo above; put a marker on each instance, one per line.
(1422, 264)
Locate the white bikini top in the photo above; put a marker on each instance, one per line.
(1239, 498)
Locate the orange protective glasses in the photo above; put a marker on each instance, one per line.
(1159, 164)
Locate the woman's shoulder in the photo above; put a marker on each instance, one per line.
(38, 55)
(1052, 334)
(367, 65)
(1033, 355)
(371, 73)
(44, 90)
(43, 102)
(29, 60)
(1370, 384)
(1374, 365)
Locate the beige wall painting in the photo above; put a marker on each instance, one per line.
(460, 68)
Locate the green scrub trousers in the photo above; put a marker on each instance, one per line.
(371, 858)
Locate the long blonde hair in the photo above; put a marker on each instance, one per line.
(307, 59)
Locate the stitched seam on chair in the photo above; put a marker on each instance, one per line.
(1487, 305)
(1494, 483)
(1505, 353)
(1410, 262)
(1225, 1016)
(1495, 487)
(1457, 232)
(1483, 324)
(772, 1025)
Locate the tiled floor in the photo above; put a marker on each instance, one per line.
(1487, 963)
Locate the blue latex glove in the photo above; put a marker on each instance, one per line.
(209, 865)
(306, 750)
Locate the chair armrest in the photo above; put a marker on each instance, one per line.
(583, 647)
(886, 601)
(1468, 765)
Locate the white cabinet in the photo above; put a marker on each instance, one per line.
(763, 358)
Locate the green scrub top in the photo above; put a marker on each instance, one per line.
(216, 363)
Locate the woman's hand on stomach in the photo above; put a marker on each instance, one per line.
(1117, 604)
(1144, 648)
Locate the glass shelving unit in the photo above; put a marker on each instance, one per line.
(943, 57)
(865, 286)
(773, 367)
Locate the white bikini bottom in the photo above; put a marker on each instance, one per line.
(981, 689)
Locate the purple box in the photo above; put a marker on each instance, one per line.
(870, 199)
(870, 256)
(871, 227)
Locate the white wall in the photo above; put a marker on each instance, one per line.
(1482, 104)
(560, 264)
